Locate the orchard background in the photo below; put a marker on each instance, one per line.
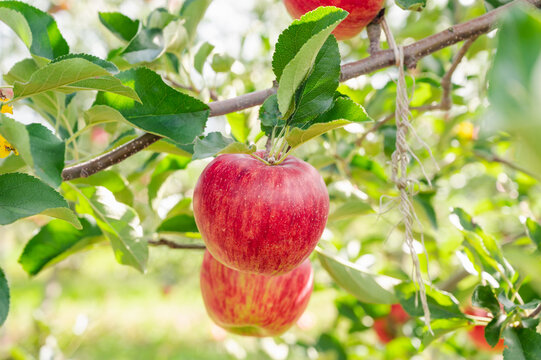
(474, 97)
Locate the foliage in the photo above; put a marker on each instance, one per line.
(479, 221)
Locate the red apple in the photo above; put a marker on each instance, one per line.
(252, 304)
(387, 328)
(477, 333)
(260, 218)
(361, 12)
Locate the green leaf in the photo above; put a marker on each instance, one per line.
(484, 297)
(21, 71)
(534, 232)
(112, 181)
(159, 18)
(389, 140)
(192, 11)
(222, 63)
(182, 223)
(47, 153)
(366, 164)
(201, 56)
(366, 287)
(317, 93)
(103, 114)
(215, 143)
(53, 243)
(494, 329)
(44, 39)
(143, 47)
(441, 327)
(22, 195)
(240, 127)
(4, 297)
(118, 222)
(344, 111)
(270, 116)
(522, 344)
(412, 5)
(107, 65)
(350, 209)
(119, 24)
(163, 111)
(442, 305)
(38, 146)
(297, 49)
(163, 170)
(58, 74)
(105, 83)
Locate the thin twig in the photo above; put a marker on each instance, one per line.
(374, 33)
(536, 312)
(382, 59)
(495, 158)
(174, 245)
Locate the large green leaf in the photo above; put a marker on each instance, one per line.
(21, 71)
(317, 93)
(107, 65)
(112, 181)
(53, 242)
(22, 195)
(350, 209)
(441, 327)
(58, 74)
(215, 143)
(484, 297)
(163, 111)
(366, 287)
(37, 29)
(413, 5)
(522, 344)
(4, 297)
(118, 222)
(38, 146)
(442, 305)
(297, 49)
(119, 24)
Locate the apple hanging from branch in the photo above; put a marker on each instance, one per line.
(260, 218)
(361, 12)
(251, 304)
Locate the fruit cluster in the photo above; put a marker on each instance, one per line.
(260, 223)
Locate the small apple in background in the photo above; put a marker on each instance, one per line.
(387, 328)
(477, 333)
(259, 218)
(99, 136)
(361, 12)
(251, 304)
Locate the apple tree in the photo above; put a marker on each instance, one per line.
(375, 161)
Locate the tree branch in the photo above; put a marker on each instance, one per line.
(382, 59)
(174, 245)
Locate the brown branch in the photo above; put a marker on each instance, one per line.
(382, 59)
(373, 30)
(174, 245)
(536, 312)
(446, 100)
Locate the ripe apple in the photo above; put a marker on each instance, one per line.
(477, 333)
(260, 218)
(252, 304)
(387, 328)
(361, 12)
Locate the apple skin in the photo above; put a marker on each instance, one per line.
(386, 328)
(259, 218)
(477, 333)
(361, 12)
(252, 304)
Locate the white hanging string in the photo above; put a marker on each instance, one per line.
(399, 175)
